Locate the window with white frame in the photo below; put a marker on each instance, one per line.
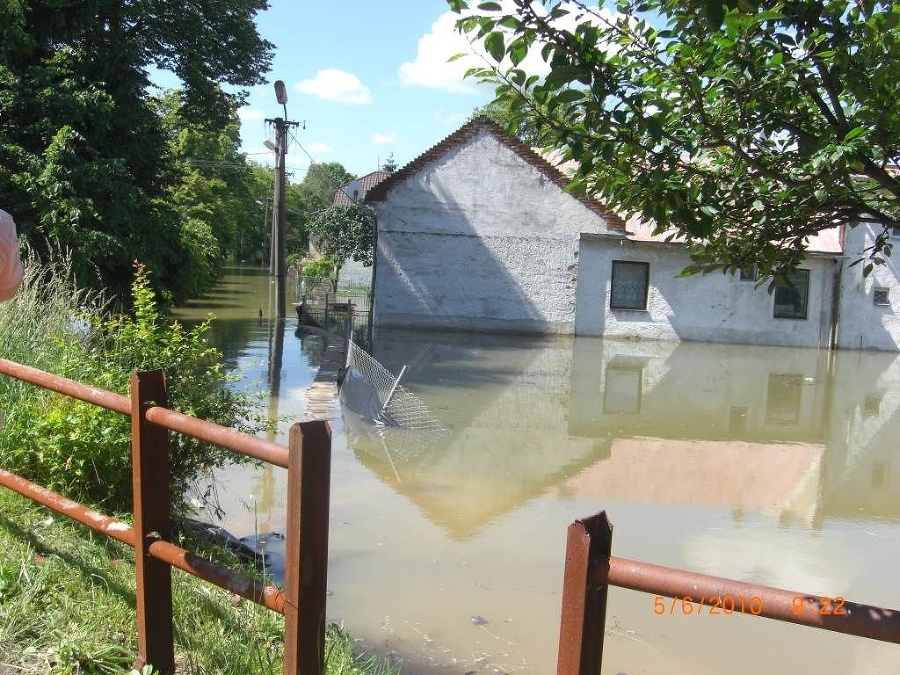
(630, 284)
(792, 296)
(749, 273)
(881, 296)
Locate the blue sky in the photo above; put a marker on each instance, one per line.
(368, 78)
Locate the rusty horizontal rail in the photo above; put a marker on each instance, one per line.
(236, 582)
(237, 441)
(590, 570)
(829, 613)
(239, 584)
(308, 461)
(62, 385)
(249, 446)
(95, 520)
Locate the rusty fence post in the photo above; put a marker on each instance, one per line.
(150, 482)
(583, 619)
(306, 557)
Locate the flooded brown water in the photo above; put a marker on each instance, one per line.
(768, 465)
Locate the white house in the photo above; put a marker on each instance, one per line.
(628, 287)
(479, 233)
(869, 308)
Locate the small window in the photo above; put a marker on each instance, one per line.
(749, 273)
(630, 281)
(881, 296)
(791, 296)
(895, 232)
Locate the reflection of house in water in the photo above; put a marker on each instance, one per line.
(506, 402)
(780, 480)
(863, 478)
(798, 435)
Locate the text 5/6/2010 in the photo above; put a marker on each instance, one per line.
(728, 605)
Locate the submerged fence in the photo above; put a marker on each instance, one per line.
(308, 461)
(590, 571)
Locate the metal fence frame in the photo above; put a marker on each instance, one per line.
(590, 570)
(308, 461)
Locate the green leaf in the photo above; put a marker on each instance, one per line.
(569, 96)
(856, 132)
(495, 46)
(490, 7)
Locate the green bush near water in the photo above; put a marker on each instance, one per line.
(80, 449)
(66, 593)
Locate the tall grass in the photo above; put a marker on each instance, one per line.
(67, 594)
(78, 448)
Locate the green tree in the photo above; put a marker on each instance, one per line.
(215, 192)
(84, 158)
(390, 164)
(345, 232)
(744, 127)
(319, 184)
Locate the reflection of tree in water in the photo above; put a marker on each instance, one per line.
(313, 347)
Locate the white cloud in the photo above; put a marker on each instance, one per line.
(383, 139)
(336, 85)
(431, 67)
(247, 114)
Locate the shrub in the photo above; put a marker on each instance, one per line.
(84, 451)
(323, 267)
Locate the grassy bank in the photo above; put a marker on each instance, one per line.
(67, 606)
(66, 594)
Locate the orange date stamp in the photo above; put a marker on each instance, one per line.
(729, 605)
(714, 605)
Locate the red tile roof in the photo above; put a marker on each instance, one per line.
(344, 194)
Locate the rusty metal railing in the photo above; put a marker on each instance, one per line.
(590, 570)
(308, 461)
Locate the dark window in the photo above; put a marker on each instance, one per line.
(630, 281)
(792, 295)
(895, 231)
(881, 296)
(749, 273)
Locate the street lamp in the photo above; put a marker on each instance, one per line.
(280, 149)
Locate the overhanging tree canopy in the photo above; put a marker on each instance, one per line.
(84, 160)
(744, 126)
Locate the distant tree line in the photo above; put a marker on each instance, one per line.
(98, 162)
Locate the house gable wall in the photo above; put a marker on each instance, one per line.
(865, 325)
(712, 308)
(479, 239)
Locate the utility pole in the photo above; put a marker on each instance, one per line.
(282, 124)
